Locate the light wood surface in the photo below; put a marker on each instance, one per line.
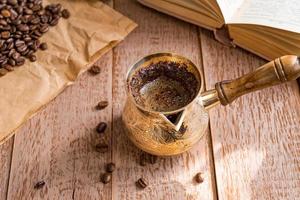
(278, 71)
(255, 141)
(5, 161)
(170, 178)
(57, 145)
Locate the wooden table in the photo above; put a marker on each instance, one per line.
(251, 150)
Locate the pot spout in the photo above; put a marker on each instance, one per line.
(174, 121)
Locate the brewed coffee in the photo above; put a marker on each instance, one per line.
(164, 86)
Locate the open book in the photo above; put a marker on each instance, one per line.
(268, 28)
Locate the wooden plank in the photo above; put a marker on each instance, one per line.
(5, 161)
(57, 145)
(170, 178)
(256, 139)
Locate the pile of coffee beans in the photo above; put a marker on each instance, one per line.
(22, 24)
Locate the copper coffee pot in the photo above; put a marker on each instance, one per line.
(166, 131)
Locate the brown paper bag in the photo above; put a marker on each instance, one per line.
(73, 45)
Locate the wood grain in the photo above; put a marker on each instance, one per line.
(57, 145)
(5, 160)
(278, 71)
(256, 139)
(170, 178)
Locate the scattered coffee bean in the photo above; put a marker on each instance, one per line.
(65, 13)
(101, 127)
(32, 58)
(143, 160)
(152, 159)
(39, 185)
(3, 72)
(9, 68)
(43, 46)
(102, 104)
(198, 178)
(110, 167)
(142, 183)
(95, 69)
(22, 24)
(102, 148)
(106, 178)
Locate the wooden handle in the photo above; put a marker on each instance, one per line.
(280, 70)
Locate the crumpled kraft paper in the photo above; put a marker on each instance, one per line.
(73, 45)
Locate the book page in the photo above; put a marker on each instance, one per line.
(281, 14)
(199, 15)
(194, 5)
(229, 8)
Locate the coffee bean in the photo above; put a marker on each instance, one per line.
(39, 185)
(3, 72)
(12, 62)
(198, 178)
(110, 167)
(3, 22)
(30, 53)
(142, 183)
(15, 56)
(36, 7)
(35, 20)
(5, 34)
(95, 69)
(10, 45)
(44, 19)
(2, 42)
(101, 127)
(12, 2)
(101, 105)
(65, 13)
(30, 5)
(102, 148)
(106, 178)
(28, 11)
(23, 27)
(20, 61)
(8, 67)
(19, 43)
(22, 24)
(44, 28)
(6, 51)
(32, 58)
(5, 13)
(43, 46)
(54, 20)
(22, 48)
(36, 34)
